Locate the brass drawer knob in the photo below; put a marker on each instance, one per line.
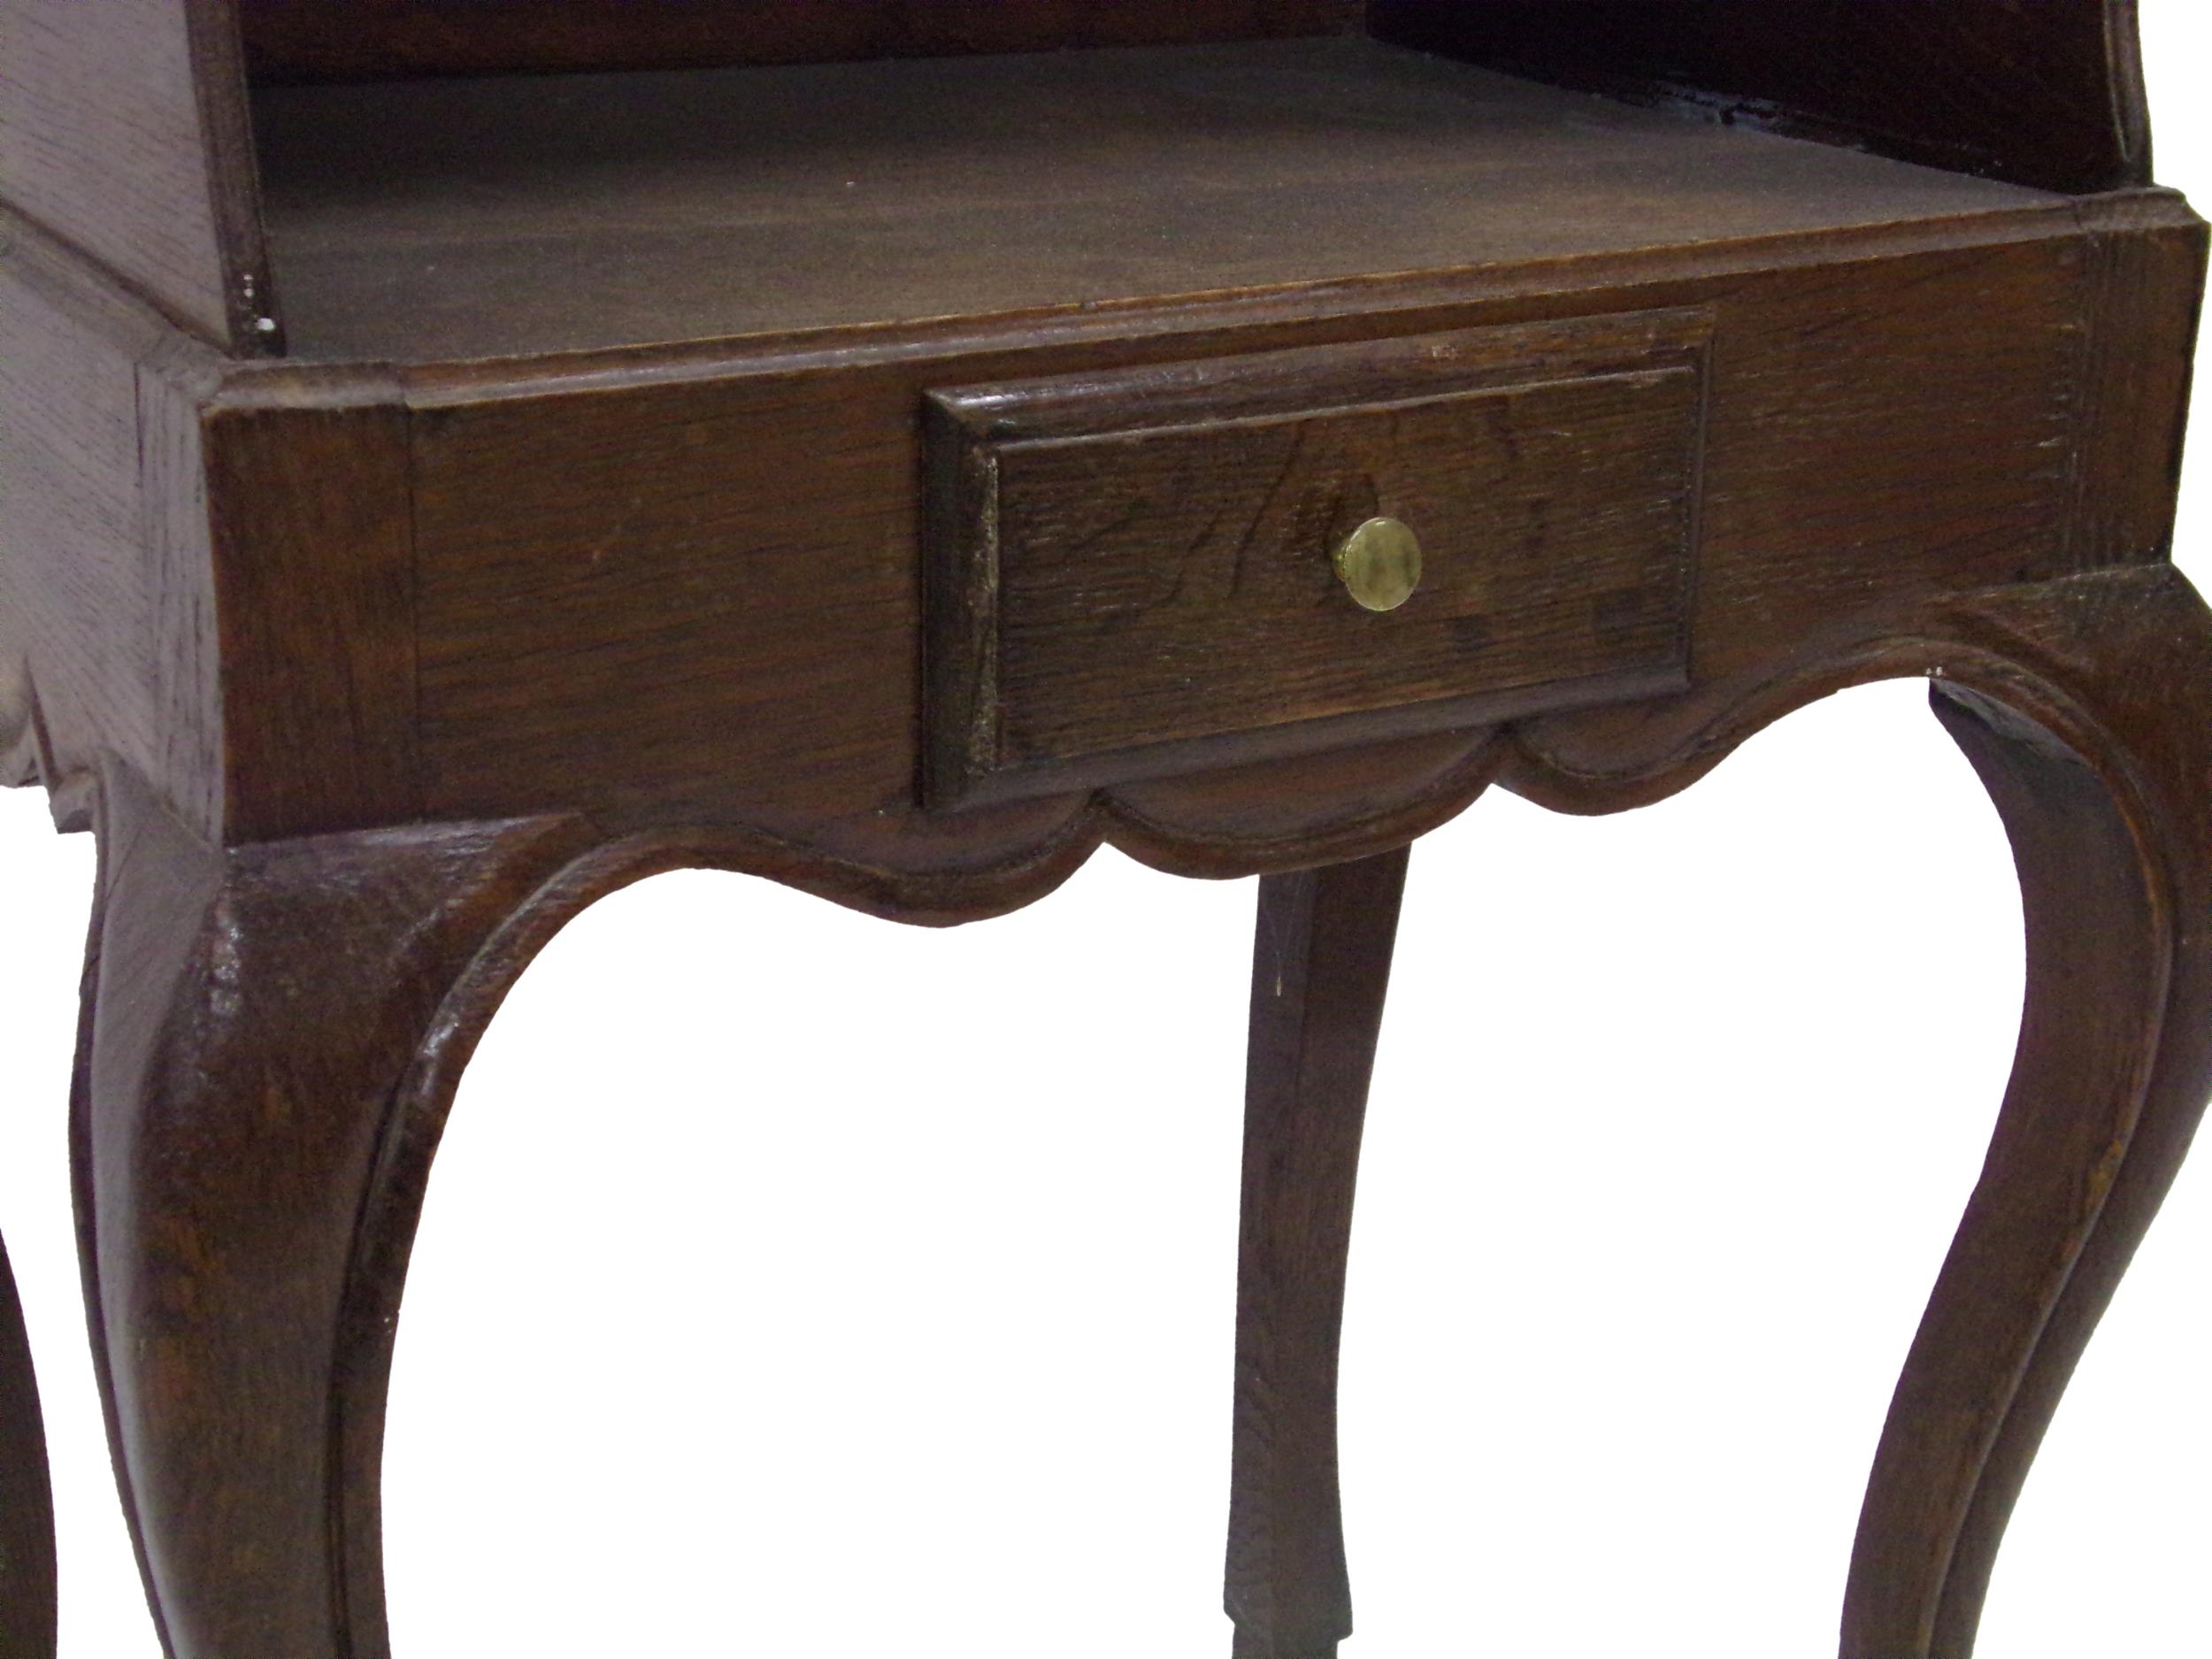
(1380, 564)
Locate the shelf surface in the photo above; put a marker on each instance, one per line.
(467, 219)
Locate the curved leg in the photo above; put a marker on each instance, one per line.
(1320, 966)
(254, 1015)
(27, 1499)
(2105, 788)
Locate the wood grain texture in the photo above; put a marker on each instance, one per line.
(273, 1036)
(1124, 565)
(106, 607)
(2084, 705)
(417, 221)
(609, 609)
(2139, 345)
(606, 558)
(2111, 830)
(28, 1604)
(2049, 94)
(324, 40)
(254, 1016)
(314, 594)
(357, 972)
(685, 586)
(124, 131)
(1320, 971)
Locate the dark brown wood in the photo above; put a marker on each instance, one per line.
(124, 131)
(1320, 968)
(2111, 827)
(27, 1499)
(596, 576)
(255, 1015)
(277, 1030)
(589, 536)
(273, 1038)
(313, 528)
(2087, 706)
(106, 603)
(2049, 94)
(702, 570)
(2138, 348)
(323, 39)
(434, 220)
(1124, 566)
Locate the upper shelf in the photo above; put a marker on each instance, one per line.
(124, 130)
(455, 219)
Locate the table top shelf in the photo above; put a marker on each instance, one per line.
(467, 219)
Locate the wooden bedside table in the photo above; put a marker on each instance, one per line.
(455, 461)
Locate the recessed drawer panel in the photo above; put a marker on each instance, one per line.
(1146, 571)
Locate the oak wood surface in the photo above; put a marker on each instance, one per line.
(1122, 562)
(2082, 704)
(590, 578)
(423, 220)
(321, 40)
(2109, 878)
(124, 131)
(2049, 93)
(2139, 346)
(686, 583)
(252, 1017)
(586, 539)
(604, 613)
(257, 1139)
(28, 1604)
(1320, 968)
(106, 598)
(312, 644)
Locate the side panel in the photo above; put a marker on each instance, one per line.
(123, 130)
(106, 613)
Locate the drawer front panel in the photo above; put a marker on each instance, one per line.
(1128, 571)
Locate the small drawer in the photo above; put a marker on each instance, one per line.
(1134, 573)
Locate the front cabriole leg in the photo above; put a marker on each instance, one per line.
(254, 1014)
(2091, 729)
(2086, 706)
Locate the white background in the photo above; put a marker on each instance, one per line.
(797, 1284)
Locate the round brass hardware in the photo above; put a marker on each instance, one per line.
(1380, 564)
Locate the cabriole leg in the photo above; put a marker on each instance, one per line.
(254, 1016)
(2100, 762)
(1321, 963)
